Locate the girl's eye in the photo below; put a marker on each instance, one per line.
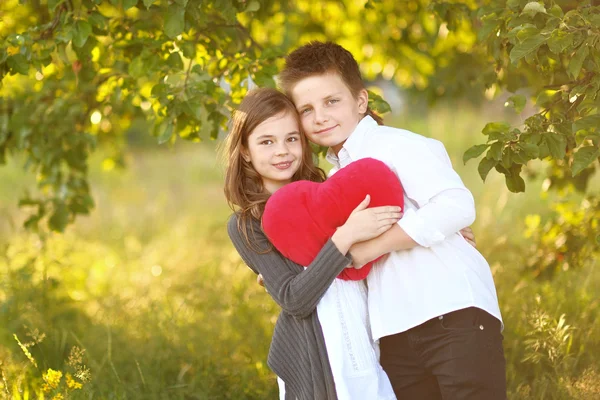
(293, 139)
(266, 142)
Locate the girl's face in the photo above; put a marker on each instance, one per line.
(275, 150)
(328, 110)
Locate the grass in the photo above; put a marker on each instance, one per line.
(150, 289)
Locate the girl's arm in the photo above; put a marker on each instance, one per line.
(296, 290)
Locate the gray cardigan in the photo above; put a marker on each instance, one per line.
(297, 354)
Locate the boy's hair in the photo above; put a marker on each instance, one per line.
(318, 58)
(244, 188)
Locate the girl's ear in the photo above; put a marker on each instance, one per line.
(363, 101)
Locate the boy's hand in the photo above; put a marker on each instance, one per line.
(469, 236)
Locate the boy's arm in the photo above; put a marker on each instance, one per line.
(444, 204)
(394, 239)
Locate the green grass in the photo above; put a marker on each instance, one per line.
(151, 289)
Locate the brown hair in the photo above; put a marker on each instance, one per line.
(318, 58)
(244, 188)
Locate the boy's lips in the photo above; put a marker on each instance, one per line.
(324, 130)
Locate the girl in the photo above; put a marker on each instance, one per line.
(332, 357)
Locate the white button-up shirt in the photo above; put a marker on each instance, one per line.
(444, 273)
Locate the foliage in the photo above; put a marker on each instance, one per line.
(540, 52)
(76, 73)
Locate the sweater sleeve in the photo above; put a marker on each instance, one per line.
(295, 289)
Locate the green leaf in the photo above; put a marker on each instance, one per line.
(495, 152)
(557, 144)
(526, 47)
(583, 158)
(165, 131)
(60, 218)
(531, 150)
(590, 122)
(52, 4)
(576, 62)
(127, 4)
(560, 41)
(556, 11)
(82, 31)
(18, 64)
(98, 20)
(501, 127)
(474, 152)
(378, 104)
(534, 8)
(174, 61)
(136, 67)
(517, 102)
(515, 183)
(174, 21)
(252, 6)
(485, 166)
(188, 49)
(148, 3)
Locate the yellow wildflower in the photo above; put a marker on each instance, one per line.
(52, 379)
(72, 383)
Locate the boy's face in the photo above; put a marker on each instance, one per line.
(328, 111)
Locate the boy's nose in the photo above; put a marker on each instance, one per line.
(320, 116)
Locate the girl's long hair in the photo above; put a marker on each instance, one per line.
(244, 188)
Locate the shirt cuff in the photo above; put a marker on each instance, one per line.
(417, 229)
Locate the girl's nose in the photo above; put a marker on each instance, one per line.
(281, 150)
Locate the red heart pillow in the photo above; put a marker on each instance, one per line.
(300, 217)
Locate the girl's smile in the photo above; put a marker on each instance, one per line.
(275, 150)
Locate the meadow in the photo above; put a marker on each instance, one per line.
(147, 299)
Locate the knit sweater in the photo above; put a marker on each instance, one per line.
(297, 354)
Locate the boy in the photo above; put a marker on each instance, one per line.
(432, 301)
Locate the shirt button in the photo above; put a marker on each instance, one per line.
(481, 327)
(441, 317)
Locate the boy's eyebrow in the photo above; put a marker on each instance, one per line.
(324, 98)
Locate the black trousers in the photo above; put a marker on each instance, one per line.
(457, 356)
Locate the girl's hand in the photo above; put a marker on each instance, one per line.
(365, 223)
(469, 236)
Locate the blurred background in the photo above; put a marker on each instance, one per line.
(144, 297)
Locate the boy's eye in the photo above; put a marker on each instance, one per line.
(304, 111)
(332, 101)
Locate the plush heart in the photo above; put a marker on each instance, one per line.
(300, 217)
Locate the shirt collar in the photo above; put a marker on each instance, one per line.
(353, 144)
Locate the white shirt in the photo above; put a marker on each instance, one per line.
(353, 355)
(444, 273)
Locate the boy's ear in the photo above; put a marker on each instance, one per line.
(363, 101)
